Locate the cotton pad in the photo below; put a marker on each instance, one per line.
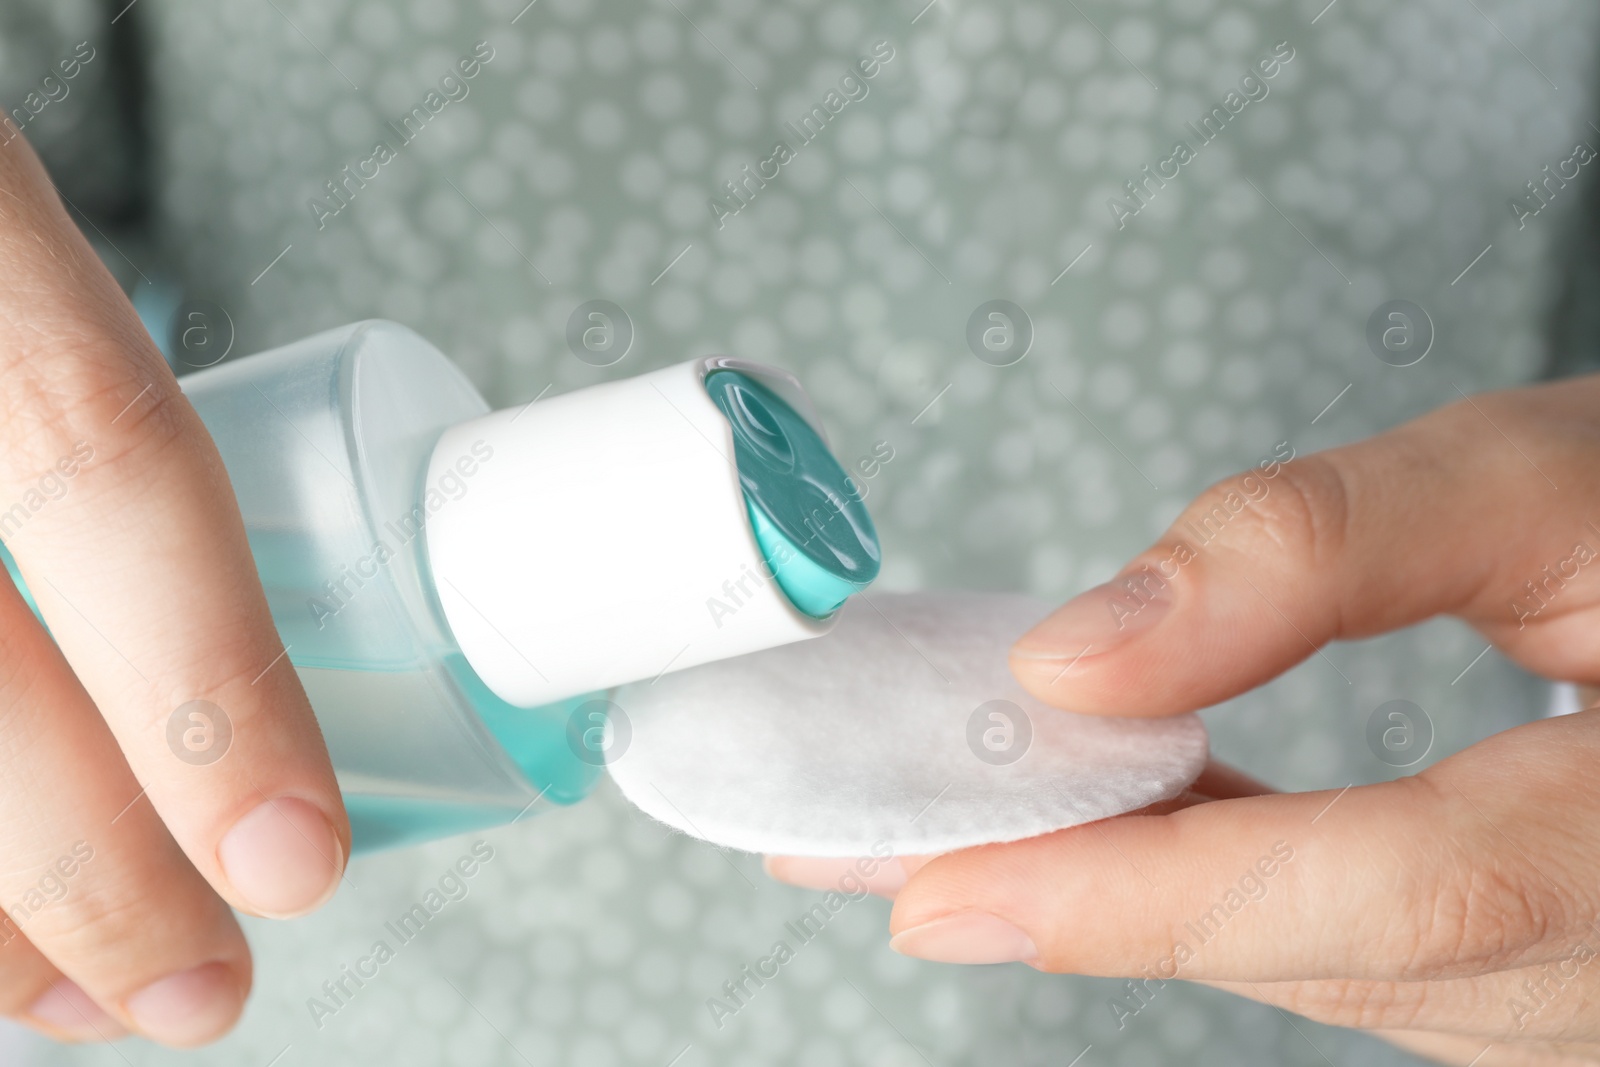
(902, 726)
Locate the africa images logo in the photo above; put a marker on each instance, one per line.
(853, 87)
(1253, 88)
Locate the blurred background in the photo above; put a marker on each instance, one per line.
(1142, 353)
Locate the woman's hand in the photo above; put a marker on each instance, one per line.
(126, 838)
(1456, 910)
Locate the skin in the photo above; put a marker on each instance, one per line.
(121, 858)
(1416, 908)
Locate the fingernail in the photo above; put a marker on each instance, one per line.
(187, 1008)
(885, 878)
(1099, 620)
(67, 1013)
(283, 858)
(966, 937)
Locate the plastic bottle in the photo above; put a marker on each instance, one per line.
(458, 589)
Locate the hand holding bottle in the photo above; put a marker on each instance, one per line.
(127, 841)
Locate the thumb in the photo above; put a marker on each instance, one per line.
(1409, 880)
(1452, 513)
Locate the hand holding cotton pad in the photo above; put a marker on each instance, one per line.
(902, 726)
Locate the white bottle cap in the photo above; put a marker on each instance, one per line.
(603, 537)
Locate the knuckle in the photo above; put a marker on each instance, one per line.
(1357, 1004)
(1496, 913)
(1485, 905)
(103, 402)
(1307, 511)
(135, 932)
(1300, 510)
(242, 673)
(89, 922)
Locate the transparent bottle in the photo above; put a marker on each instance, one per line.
(458, 589)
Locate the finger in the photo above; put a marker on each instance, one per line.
(1265, 568)
(140, 566)
(1468, 868)
(64, 1012)
(1217, 781)
(34, 992)
(1556, 1001)
(92, 877)
(1220, 781)
(841, 874)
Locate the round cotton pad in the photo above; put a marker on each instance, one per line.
(902, 726)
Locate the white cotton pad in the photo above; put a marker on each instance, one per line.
(902, 726)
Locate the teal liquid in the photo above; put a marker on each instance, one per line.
(539, 740)
(815, 534)
(16, 579)
(536, 740)
(380, 822)
(351, 637)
